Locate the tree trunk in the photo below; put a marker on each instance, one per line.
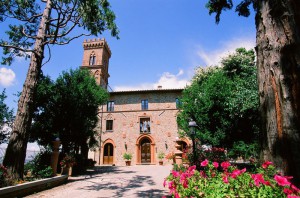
(278, 61)
(16, 149)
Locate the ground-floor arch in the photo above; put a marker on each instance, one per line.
(145, 151)
(108, 152)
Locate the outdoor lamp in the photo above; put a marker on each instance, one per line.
(192, 125)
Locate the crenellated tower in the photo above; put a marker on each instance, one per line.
(96, 57)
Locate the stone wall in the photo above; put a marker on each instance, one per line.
(126, 135)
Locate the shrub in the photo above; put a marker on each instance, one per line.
(39, 166)
(225, 180)
(241, 149)
(45, 173)
(68, 161)
(161, 155)
(6, 179)
(91, 163)
(127, 156)
(170, 156)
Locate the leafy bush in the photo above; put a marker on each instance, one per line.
(80, 165)
(45, 173)
(39, 166)
(127, 156)
(90, 163)
(241, 149)
(68, 161)
(6, 179)
(161, 155)
(225, 180)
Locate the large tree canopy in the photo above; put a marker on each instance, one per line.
(37, 24)
(68, 109)
(223, 101)
(278, 60)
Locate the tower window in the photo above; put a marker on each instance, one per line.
(109, 125)
(110, 105)
(144, 104)
(92, 59)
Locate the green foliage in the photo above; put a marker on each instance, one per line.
(161, 155)
(6, 178)
(6, 118)
(224, 180)
(39, 167)
(127, 156)
(68, 161)
(217, 6)
(95, 16)
(68, 109)
(241, 149)
(45, 173)
(223, 101)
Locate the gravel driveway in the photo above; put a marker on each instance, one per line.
(113, 181)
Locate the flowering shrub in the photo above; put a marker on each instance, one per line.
(6, 179)
(225, 180)
(68, 161)
(170, 156)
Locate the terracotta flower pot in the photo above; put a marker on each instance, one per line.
(128, 163)
(161, 162)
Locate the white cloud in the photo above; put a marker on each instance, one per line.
(7, 77)
(167, 80)
(214, 57)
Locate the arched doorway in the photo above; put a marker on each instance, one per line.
(183, 146)
(108, 154)
(145, 151)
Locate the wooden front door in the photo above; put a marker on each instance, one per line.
(145, 151)
(108, 155)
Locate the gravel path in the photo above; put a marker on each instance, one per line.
(112, 181)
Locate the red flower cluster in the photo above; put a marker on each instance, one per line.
(170, 156)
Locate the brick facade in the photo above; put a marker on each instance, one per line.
(126, 126)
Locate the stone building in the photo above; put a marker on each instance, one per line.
(139, 122)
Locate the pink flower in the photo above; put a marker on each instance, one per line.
(204, 163)
(293, 196)
(225, 165)
(175, 173)
(267, 164)
(165, 182)
(258, 178)
(281, 181)
(192, 168)
(237, 172)
(216, 164)
(176, 195)
(295, 188)
(287, 191)
(225, 179)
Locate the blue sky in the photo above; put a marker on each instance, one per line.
(161, 43)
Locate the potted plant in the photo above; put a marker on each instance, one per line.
(66, 164)
(161, 156)
(127, 157)
(171, 156)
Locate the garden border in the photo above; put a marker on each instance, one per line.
(28, 188)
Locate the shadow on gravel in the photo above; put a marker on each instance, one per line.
(119, 186)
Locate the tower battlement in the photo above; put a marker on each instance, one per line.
(96, 44)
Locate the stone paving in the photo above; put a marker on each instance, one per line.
(114, 181)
